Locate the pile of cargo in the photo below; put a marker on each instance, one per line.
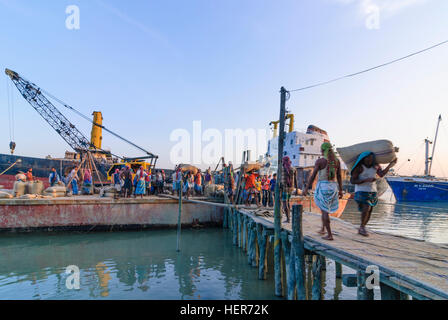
(32, 189)
(214, 191)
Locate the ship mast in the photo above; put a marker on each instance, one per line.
(428, 161)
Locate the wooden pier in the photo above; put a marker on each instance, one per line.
(407, 267)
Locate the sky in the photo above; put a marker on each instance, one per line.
(155, 66)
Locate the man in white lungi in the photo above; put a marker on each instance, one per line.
(329, 186)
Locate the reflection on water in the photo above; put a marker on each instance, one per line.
(426, 221)
(145, 265)
(128, 265)
(138, 265)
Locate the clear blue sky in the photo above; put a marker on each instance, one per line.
(154, 66)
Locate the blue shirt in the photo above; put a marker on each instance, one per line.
(54, 178)
(272, 184)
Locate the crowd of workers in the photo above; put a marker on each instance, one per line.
(256, 188)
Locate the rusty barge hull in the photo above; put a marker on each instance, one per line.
(101, 214)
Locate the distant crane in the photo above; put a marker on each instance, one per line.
(74, 138)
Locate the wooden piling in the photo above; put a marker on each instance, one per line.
(179, 220)
(277, 204)
(324, 263)
(245, 232)
(363, 293)
(299, 251)
(389, 293)
(288, 253)
(263, 248)
(317, 278)
(235, 227)
(255, 254)
(338, 270)
(250, 243)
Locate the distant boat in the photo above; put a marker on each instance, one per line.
(426, 188)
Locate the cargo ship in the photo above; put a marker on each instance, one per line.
(425, 188)
(303, 148)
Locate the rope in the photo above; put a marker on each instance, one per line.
(370, 69)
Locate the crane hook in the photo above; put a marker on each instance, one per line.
(12, 146)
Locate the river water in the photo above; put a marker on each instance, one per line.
(145, 265)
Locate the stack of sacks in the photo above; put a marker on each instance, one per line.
(108, 192)
(56, 191)
(6, 194)
(187, 167)
(19, 188)
(29, 196)
(34, 187)
(21, 177)
(252, 166)
(384, 151)
(210, 190)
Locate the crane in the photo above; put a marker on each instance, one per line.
(74, 138)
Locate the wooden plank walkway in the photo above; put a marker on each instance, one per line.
(411, 266)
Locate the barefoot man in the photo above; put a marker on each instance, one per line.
(329, 186)
(364, 174)
(287, 186)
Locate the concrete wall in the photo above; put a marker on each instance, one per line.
(101, 214)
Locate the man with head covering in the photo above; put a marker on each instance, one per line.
(140, 185)
(126, 176)
(116, 181)
(364, 174)
(53, 178)
(287, 185)
(329, 186)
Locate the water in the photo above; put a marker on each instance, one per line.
(128, 265)
(426, 221)
(145, 265)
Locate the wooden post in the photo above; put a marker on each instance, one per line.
(239, 229)
(338, 268)
(245, 233)
(262, 245)
(254, 241)
(179, 221)
(363, 293)
(250, 247)
(235, 227)
(299, 251)
(277, 204)
(389, 293)
(324, 263)
(230, 219)
(290, 266)
(317, 278)
(224, 218)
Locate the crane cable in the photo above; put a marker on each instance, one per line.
(10, 106)
(88, 119)
(94, 123)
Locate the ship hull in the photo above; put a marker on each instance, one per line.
(418, 189)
